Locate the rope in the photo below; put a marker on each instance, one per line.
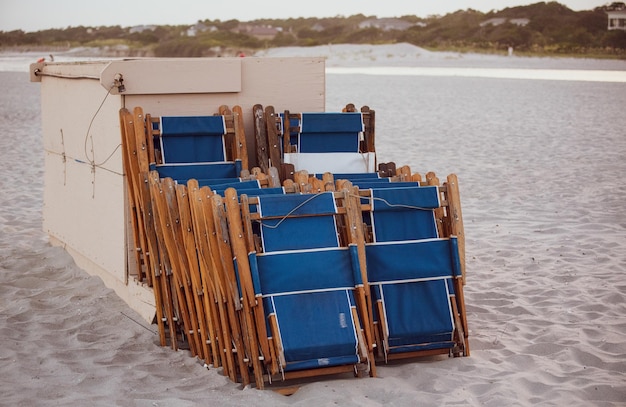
(92, 160)
(313, 196)
(284, 217)
(39, 72)
(373, 198)
(67, 157)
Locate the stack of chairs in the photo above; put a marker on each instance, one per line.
(162, 156)
(284, 272)
(415, 259)
(308, 282)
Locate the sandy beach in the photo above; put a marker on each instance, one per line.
(546, 246)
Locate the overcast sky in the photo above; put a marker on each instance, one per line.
(35, 15)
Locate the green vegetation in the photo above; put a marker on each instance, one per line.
(538, 29)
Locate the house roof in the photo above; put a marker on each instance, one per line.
(617, 13)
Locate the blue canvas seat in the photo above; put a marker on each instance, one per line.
(380, 183)
(185, 171)
(403, 213)
(414, 274)
(192, 139)
(305, 279)
(329, 132)
(413, 283)
(252, 191)
(310, 296)
(200, 147)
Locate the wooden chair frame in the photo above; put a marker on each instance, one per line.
(449, 221)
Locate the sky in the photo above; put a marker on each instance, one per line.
(36, 15)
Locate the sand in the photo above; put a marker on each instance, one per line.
(545, 295)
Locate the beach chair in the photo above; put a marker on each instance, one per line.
(448, 215)
(341, 142)
(173, 230)
(151, 257)
(212, 291)
(414, 273)
(319, 142)
(217, 268)
(304, 283)
(192, 222)
(236, 337)
(201, 147)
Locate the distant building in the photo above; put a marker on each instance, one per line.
(493, 21)
(521, 22)
(200, 28)
(617, 16)
(261, 32)
(142, 28)
(387, 24)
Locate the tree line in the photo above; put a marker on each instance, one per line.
(540, 28)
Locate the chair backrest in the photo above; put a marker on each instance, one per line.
(391, 262)
(192, 139)
(330, 132)
(405, 213)
(207, 147)
(414, 292)
(293, 221)
(316, 141)
(205, 171)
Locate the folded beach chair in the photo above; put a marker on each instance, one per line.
(306, 284)
(167, 226)
(201, 147)
(319, 142)
(414, 274)
(235, 342)
(152, 260)
(212, 294)
(340, 142)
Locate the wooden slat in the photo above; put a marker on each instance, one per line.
(241, 149)
(260, 137)
(225, 307)
(240, 252)
(456, 217)
(230, 282)
(179, 279)
(259, 312)
(273, 122)
(354, 221)
(198, 292)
